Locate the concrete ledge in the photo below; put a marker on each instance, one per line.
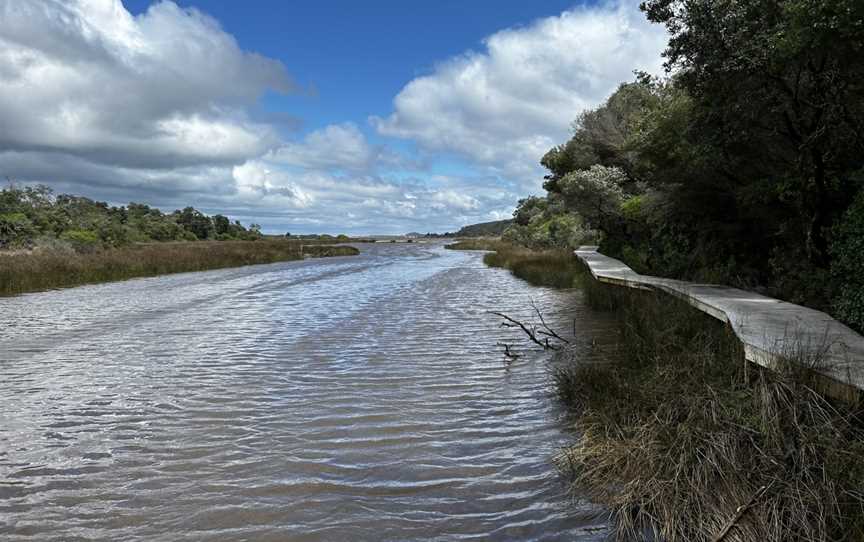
(767, 327)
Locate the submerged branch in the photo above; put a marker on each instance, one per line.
(538, 335)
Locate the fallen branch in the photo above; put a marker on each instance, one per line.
(739, 513)
(531, 332)
(548, 331)
(539, 336)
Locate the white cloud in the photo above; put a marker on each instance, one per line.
(340, 146)
(159, 108)
(161, 90)
(256, 182)
(506, 106)
(451, 199)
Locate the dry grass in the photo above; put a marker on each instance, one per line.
(555, 268)
(47, 269)
(478, 243)
(682, 440)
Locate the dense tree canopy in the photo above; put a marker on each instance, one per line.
(31, 216)
(740, 166)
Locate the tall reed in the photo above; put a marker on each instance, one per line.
(684, 440)
(557, 268)
(45, 269)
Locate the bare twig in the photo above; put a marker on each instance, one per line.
(530, 331)
(546, 329)
(739, 513)
(539, 336)
(509, 354)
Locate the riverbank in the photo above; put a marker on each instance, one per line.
(556, 267)
(31, 271)
(684, 440)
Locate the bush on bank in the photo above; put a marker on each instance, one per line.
(557, 268)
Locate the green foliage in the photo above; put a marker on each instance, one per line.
(847, 267)
(31, 216)
(81, 240)
(602, 135)
(595, 193)
(15, 230)
(484, 229)
(632, 207)
(776, 90)
(539, 225)
(221, 224)
(733, 169)
(196, 222)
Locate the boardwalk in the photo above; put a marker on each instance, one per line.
(767, 327)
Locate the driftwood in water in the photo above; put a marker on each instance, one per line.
(538, 334)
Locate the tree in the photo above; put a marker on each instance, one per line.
(604, 135)
(195, 222)
(221, 224)
(777, 87)
(595, 194)
(528, 208)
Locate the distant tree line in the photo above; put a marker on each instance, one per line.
(744, 166)
(33, 216)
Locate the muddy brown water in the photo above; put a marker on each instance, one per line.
(359, 398)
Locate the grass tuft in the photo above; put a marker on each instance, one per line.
(683, 439)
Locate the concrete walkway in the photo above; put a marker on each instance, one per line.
(767, 327)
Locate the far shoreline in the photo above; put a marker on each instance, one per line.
(39, 270)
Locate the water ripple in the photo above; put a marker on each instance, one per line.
(342, 399)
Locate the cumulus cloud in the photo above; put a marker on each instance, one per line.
(506, 106)
(162, 108)
(165, 89)
(337, 146)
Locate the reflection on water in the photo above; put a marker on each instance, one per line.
(354, 398)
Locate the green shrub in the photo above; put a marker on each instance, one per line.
(847, 250)
(631, 208)
(81, 240)
(15, 230)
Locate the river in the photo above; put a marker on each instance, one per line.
(357, 398)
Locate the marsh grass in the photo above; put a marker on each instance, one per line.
(478, 243)
(41, 270)
(555, 268)
(681, 438)
(558, 268)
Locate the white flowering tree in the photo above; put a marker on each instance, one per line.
(595, 193)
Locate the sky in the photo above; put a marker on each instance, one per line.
(308, 116)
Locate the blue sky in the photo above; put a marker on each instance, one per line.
(358, 117)
(358, 55)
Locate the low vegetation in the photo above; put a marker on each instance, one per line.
(479, 243)
(557, 268)
(34, 270)
(683, 440)
(49, 241)
(484, 229)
